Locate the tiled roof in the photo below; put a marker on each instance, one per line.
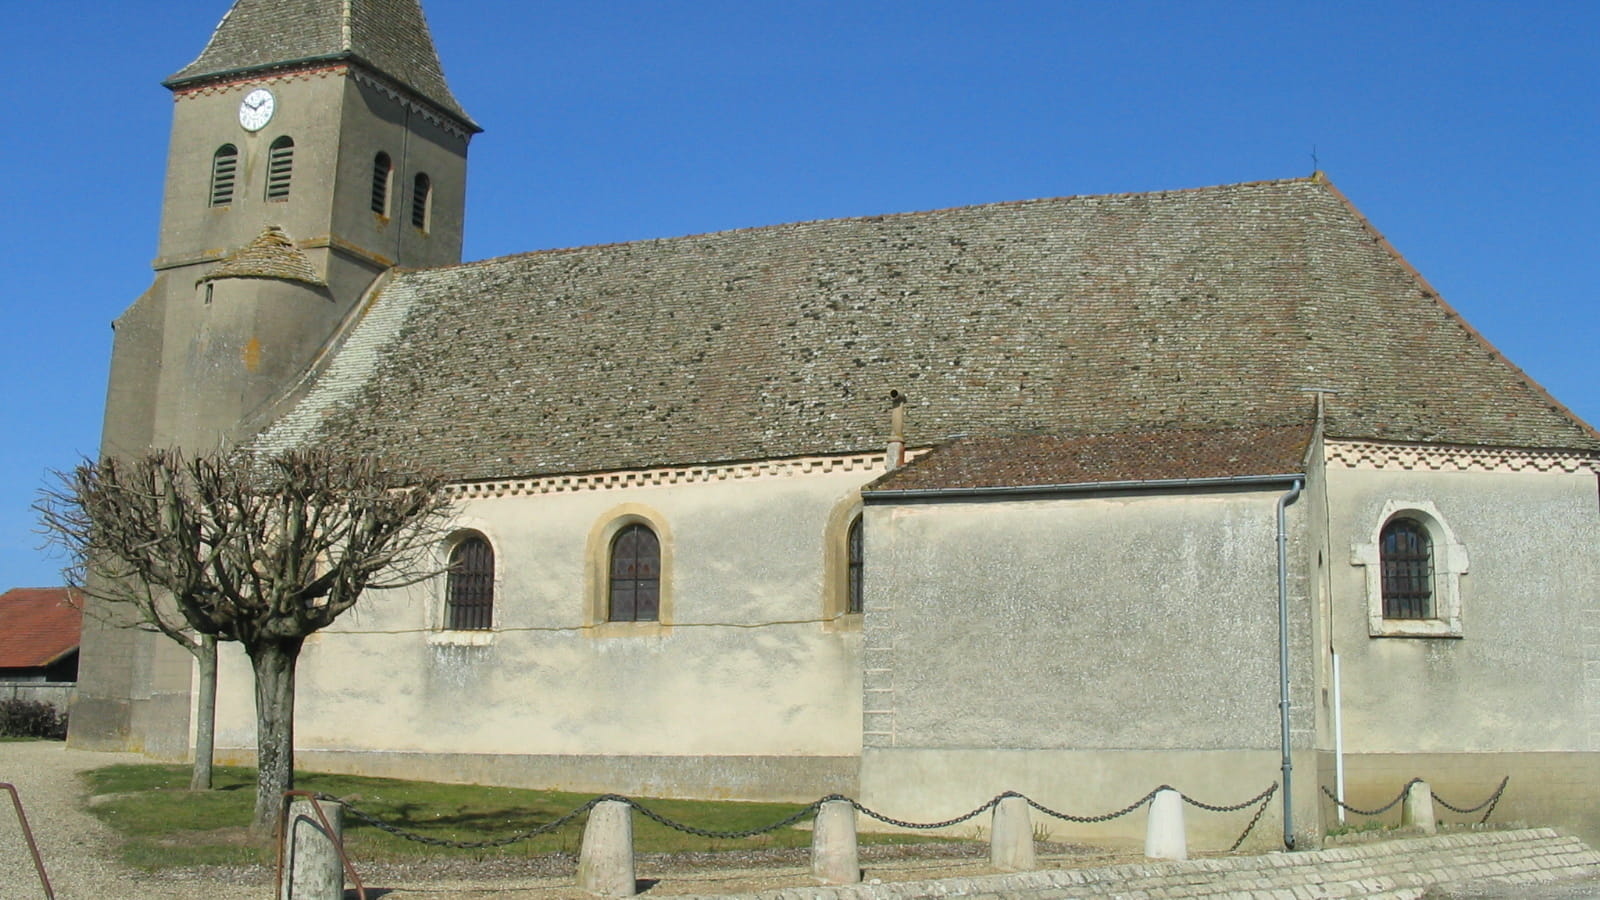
(1039, 460)
(271, 255)
(1202, 309)
(390, 36)
(37, 627)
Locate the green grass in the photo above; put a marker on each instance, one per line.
(163, 824)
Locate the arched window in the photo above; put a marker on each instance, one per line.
(382, 176)
(469, 591)
(1405, 553)
(224, 169)
(854, 594)
(635, 575)
(280, 166)
(421, 201)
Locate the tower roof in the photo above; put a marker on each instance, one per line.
(389, 36)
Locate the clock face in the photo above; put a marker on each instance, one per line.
(255, 111)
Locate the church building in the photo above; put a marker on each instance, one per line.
(1073, 497)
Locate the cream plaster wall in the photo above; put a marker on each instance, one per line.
(1515, 679)
(748, 665)
(1136, 621)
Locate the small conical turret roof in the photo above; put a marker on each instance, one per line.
(389, 36)
(272, 254)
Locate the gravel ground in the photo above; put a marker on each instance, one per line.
(76, 849)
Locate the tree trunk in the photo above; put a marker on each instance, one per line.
(205, 727)
(274, 663)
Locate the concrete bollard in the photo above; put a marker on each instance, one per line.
(834, 859)
(311, 866)
(1011, 836)
(605, 864)
(1418, 809)
(1164, 836)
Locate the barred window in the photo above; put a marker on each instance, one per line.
(421, 201)
(855, 596)
(382, 176)
(1405, 556)
(224, 170)
(469, 592)
(280, 166)
(635, 579)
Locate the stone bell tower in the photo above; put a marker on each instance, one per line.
(315, 144)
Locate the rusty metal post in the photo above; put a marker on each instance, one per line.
(27, 835)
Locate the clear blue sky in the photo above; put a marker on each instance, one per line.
(1469, 133)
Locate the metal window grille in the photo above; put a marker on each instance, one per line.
(469, 593)
(1406, 558)
(382, 173)
(635, 583)
(855, 599)
(280, 166)
(421, 201)
(224, 169)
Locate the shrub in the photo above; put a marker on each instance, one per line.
(32, 718)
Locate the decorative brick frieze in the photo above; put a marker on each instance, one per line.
(1375, 455)
(600, 481)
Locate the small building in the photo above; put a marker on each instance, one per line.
(39, 632)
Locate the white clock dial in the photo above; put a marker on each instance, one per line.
(255, 111)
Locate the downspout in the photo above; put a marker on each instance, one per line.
(1283, 658)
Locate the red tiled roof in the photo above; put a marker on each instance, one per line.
(37, 627)
(1043, 460)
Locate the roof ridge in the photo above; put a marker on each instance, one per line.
(908, 215)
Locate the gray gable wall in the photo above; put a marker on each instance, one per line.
(391, 36)
(1200, 309)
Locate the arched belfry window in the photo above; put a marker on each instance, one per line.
(855, 595)
(280, 168)
(421, 201)
(382, 177)
(224, 171)
(469, 590)
(1405, 553)
(635, 575)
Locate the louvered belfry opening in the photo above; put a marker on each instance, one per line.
(280, 167)
(224, 171)
(1406, 553)
(382, 174)
(421, 201)
(635, 575)
(469, 594)
(855, 599)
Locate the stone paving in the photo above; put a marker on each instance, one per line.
(1491, 862)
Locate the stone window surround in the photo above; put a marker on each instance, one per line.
(1449, 564)
(597, 565)
(836, 566)
(438, 633)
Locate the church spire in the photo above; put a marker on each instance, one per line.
(390, 37)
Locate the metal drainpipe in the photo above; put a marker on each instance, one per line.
(1283, 659)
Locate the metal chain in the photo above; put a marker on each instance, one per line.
(811, 809)
(1265, 801)
(1105, 818)
(1370, 812)
(399, 832)
(721, 835)
(1491, 803)
(1264, 795)
(924, 826)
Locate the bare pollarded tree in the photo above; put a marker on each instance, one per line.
(263, 551)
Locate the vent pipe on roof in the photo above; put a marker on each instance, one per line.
(896, 455)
